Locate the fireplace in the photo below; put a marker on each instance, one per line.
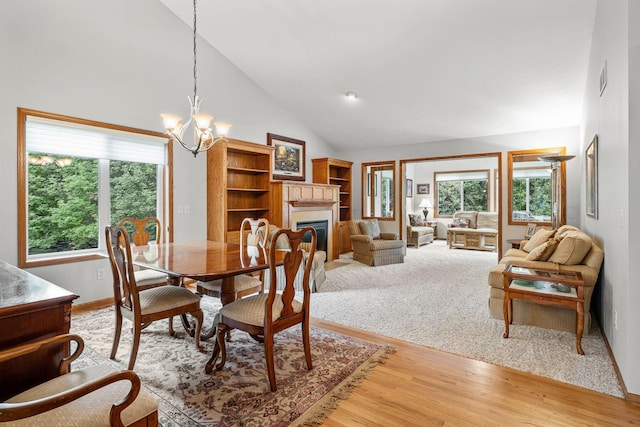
(321, 228)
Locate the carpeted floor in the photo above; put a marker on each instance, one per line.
(438, 298)
(172, 369)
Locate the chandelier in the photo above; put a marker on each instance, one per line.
(203, 136)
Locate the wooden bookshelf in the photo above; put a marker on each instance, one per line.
(337, 172)
(238, 178)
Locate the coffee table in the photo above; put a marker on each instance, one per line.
(544, 286)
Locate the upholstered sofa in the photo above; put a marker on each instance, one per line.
(417, 232)
(566, 248)
(473, 230)
(372, 247)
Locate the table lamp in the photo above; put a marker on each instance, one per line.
(425, 204)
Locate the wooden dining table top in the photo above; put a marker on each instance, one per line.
(203, 260)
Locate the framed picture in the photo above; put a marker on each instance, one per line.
(423, 188)
(591, 156)
(288, 157)
(531, 230)
(409, 188)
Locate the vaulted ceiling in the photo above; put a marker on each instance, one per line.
(424, 70)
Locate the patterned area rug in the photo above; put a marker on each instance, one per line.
(173, 370)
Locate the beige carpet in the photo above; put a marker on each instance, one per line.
(439, 298)
(173, 371)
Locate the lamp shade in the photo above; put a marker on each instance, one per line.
(425, 203)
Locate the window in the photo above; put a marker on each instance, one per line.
(460, 191)
(76, 177)
(530, 184)
(531, 198)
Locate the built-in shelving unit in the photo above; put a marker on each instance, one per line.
(337, 172)
(238, 178)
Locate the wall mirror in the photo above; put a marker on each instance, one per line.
(536, 187)
(378, 190)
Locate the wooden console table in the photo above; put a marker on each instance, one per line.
(30, 308)
(542, 286)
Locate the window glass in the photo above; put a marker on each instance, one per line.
(78, 177)
(460, 191)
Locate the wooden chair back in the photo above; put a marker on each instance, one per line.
(250, 240)
(141, 235)
(125, 291)
(292, 261)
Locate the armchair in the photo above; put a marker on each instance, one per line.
(372, 247)
(95, 396)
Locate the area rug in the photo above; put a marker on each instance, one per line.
(439, 298)
(173, 370)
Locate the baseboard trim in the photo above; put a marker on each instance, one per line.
(629, 397)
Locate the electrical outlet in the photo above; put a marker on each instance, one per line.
(100, 273)
(615, 319)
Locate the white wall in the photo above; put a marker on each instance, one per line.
(121, 62)
(615, 40)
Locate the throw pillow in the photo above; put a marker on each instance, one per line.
(563, 229)
(538, 238)
(460, 223)
(472, 216)
(370, 228)
(416, 220)
(574, 246)
(544, 251)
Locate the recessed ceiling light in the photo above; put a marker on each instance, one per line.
(351, 95)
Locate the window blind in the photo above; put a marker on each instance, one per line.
(76, 140)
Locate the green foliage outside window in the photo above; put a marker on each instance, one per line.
(63, 206)
(133, 193)
(451, 200)
(539, 196)
(63, 201)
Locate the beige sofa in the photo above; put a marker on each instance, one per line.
(478, 231)
(372, 247)
(564, 249)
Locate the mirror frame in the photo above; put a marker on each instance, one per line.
(534, 154)
(392, 166)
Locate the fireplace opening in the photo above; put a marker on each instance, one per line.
(321, 233)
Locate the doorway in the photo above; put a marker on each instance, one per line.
(424, 181)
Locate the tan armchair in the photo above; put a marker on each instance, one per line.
(93, 396)
(372, 247)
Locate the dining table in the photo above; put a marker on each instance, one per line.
(204, 260)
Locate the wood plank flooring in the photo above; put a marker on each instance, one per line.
(418, 386)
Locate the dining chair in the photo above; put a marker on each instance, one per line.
(268, 313)
(244, 284)
(142, 307)
(97, 395)
(145, 277)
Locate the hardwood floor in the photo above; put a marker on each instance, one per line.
(419, 386)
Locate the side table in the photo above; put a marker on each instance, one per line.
(542, 286)
(515, 243)
(434, 225)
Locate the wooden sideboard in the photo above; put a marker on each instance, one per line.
(30, 308)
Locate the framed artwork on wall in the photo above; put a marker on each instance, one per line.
(409, 188)
(288, 157)
(591, 156)
(423, 188)
(531, 230)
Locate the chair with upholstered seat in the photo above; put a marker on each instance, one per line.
(142, 307)
(373, 247)
(266, 314)
(140, 236)
(97, 395)
(244, 284)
